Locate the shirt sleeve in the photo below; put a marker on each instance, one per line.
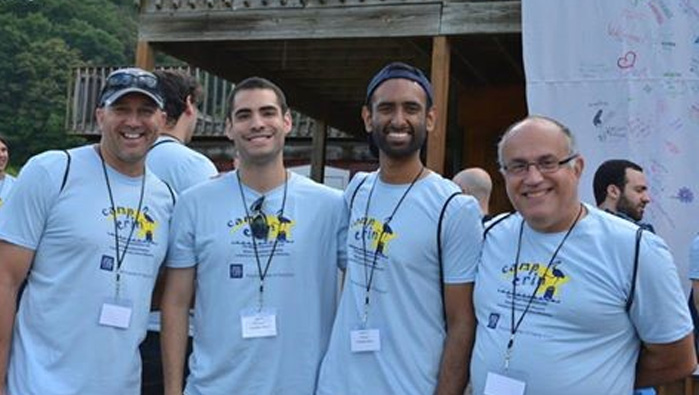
(694, 260)
(462, 239)
(181, 248)
(659, 310)
(24, 215)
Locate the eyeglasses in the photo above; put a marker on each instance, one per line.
(258, 225)
(131, 78)
(545, 165)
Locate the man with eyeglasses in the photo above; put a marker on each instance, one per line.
(259, 248)
(558, 305)
(405, 323)
(88, 229)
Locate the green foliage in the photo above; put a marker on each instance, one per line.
(40, 42)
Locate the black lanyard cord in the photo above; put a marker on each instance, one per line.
(514, 327)
(369, 274)
(120, 259)
(262, 273)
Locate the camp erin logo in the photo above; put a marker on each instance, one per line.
(529, 274)
(375, 231)
(126, 217)
(263, 227)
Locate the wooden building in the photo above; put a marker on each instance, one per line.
(323, 53)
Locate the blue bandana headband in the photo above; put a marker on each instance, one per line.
(400, 70)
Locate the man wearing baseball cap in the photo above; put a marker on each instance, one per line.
(87, 228)
(405, 323)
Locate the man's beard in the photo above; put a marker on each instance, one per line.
(379, 137)
(624, 206)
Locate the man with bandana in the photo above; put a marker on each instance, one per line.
(405, 324)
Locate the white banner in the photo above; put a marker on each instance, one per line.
(624, 76)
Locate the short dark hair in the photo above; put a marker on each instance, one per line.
(175, 87)
(400, 70)
(4, 140)
(611, 172)
(256, 83)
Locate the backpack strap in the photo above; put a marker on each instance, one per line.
(496, 221)
(629, 301)
(354, 194)
(169, 188)
(439, 253)
(65, 173)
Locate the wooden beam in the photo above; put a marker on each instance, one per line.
(486, 17)
(287, 24)
(320, 134)
(145, 56)
(436, 143)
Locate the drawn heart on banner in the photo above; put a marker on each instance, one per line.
(627, 61)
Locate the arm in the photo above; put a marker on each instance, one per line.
(178, 292)
(663, 363)
(14, 265)
(461, 326)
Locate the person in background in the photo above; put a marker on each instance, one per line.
(6, 180)
(476, 182)
(180, 167)
(620, 188)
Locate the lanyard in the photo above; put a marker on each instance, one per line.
(385, 228)
(262, 273)
(514, 327)
(120, 259)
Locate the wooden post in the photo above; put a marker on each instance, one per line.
(320, 133)
(145, 56)
(436, 141)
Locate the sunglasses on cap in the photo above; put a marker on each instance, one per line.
(131, 78)
(124, 81)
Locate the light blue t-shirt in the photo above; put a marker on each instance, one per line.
(58, 345)
(5, 187)
(178, 165)
(694, 261)
(210, 232)
(577, 334)
(406, 290)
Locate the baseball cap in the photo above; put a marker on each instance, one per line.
(130, 80)
(400, 70)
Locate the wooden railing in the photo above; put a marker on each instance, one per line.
(87, 82)
(85, 86)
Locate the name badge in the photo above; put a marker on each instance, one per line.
(256, 323)
(116, 313)
(498, 384)
(365, 340)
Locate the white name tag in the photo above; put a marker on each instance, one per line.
(365, 340)
(116, 314)
(497, 384)
(261, 323)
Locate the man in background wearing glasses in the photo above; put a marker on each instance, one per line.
(259, 248)
(554, 294)
(89, 226)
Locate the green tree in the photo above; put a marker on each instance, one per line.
(40, 42)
